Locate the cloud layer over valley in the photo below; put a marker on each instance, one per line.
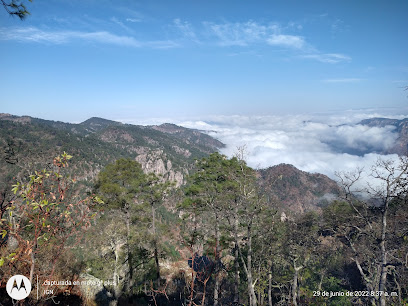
(322, 143)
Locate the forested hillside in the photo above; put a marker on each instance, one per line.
(136, 215)
(28, 143)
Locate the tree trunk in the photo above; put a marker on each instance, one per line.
(128, 260)
(236, 255)
(217, 264)
(261, 297)
(383, 273)
(156, 252)
(32, 266)
(322, 274)
(270, 286)
(295, 284)
(260, 292)
(248, 272)
(116, 285)
(32, 256)
(252, 295)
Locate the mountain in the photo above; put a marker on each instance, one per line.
(167, 149)
(297, 191)
(401, 127)
(95, 124)
(190, 136)
(30, 143)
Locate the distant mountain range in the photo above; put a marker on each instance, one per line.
(29, 143)
(401, 127)
(168, 150)
(364, 146)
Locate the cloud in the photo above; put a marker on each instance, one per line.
(243, 53)
(132, 15)
(330, 58)
(337, 26)
(251, 32)
(286, 40)
(322, 143)
(295, 25)
(121, 24)
(359, 139)
(133, 20)
(32, 34)
(246, 34)
(185, 28)
(345, 80)
(235, 34)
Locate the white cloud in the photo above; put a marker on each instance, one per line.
(322, 143)
(105, 37)
(330, 58)
(345, 80)
(286, 40)
(294, 25)
(121, 24)
(32, 34)
(185, 28)
(245, 34)
(238, 34)
(251, 32)
(133, 20)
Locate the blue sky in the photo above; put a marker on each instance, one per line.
(71, 60)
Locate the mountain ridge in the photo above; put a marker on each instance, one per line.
(167, 149)
(30, 144)
(297, 191)
(401, 126)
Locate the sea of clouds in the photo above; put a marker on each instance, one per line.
(319, 143)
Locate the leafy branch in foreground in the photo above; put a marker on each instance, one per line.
(16, 8)
(43, 222)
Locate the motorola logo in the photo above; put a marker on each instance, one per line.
(18, 287)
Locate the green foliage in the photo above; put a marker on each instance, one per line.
(171, 250)
(94, 143)
(337, 214)
(16, 8)
(168, 217)
(210, 178)
(133, 224)
(119, 184)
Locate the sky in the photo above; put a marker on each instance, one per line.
(177, 60)
(291, 80)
